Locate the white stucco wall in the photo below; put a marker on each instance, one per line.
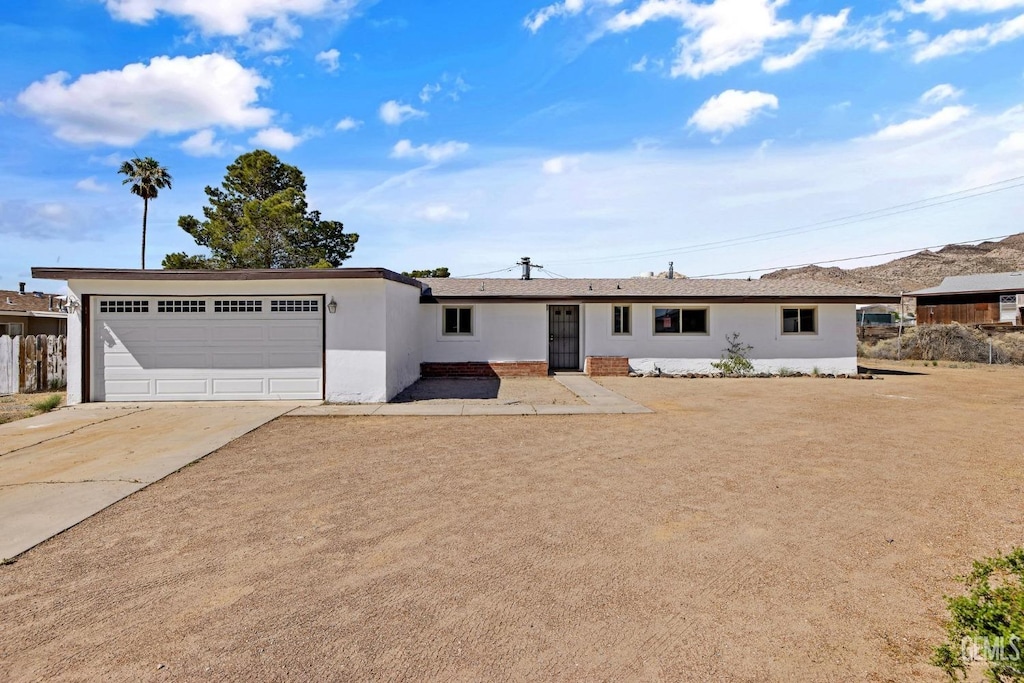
(832, 350)
(358, 344)
(501, 332)
(403, 336)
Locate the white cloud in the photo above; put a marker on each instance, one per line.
(330, 60)
(90, 184)
(731, 109)
(941, 93)
(722, 34)
(822, 34)
(348, 123)
(971, 40)
(262, 24)
(915, 128)
(428, 91)
(395, 113)
(640, 65)
(558, 165)
(1011, 144)
(442, 213)
(442, 151)
(937, 9)
(203, 143)
(277, 138)
(169, 95)
(917, 37)
(535, 20)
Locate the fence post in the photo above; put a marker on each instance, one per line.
(8, 374)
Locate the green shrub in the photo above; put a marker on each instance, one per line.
(735, 360)
(48, 403)
(987, 624)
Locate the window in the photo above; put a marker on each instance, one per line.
(680, 321)
(622, 322)
(181, 306)
(12, 329)
(294, 305)
(799, 320)
(119, 306)
(458, 320)
(237, 306)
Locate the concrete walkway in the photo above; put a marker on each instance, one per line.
(63, 467)
(599, 400)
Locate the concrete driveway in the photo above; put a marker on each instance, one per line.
(60, 468)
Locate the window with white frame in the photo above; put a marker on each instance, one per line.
(622, 320)
(12, 329)
(457, 320)
(680, 320)
(801, 320)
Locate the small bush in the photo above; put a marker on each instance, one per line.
(735, 359)
(955, 342)
(48, 403)
(987, 624)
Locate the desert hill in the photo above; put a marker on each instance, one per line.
(923, 269)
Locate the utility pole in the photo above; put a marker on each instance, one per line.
(525, 263)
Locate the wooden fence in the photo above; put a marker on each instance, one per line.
(32, 363)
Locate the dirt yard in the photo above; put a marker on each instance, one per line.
(20, 405)
(750, 530)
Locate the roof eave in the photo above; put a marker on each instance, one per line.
(649, 298)
(44, 273)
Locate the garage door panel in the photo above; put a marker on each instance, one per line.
(292, 386)
(162, 352)
(294, 332)
(238, 359)
(235, 332)
(237, 386)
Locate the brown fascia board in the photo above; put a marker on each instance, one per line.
(227, 274)
(865, 299)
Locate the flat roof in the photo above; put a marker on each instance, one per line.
(226, 274)
(976, 284)
(653, 289)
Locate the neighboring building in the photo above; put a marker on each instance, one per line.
(23, 313)
(364, 334)
(973, 300)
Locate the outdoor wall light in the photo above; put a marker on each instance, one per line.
(332, 306)
(73, 305)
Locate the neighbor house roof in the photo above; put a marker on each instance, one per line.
(31, 302)
(228, 274)
(971, 284)
(598, 289)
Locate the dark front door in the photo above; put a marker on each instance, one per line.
(564, 337)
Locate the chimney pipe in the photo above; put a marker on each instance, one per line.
(527, 265)
(21, 288)
(671, 271)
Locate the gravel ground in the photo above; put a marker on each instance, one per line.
(763, 529)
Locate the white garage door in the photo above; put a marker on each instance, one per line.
(207, 348)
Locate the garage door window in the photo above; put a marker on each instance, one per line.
(294, 305)
(237, 306)
(123, 306)
(181, 306)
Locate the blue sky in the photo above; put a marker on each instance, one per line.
(600, 137)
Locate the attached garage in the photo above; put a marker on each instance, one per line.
(345, 335)
(215, 348)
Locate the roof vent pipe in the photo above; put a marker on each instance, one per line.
(21, 288)
(671, 271)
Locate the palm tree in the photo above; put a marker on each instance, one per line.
(147, 178)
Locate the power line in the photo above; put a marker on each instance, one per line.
(852, 258)
(894, 210)
(551, 272)
(491, 272)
